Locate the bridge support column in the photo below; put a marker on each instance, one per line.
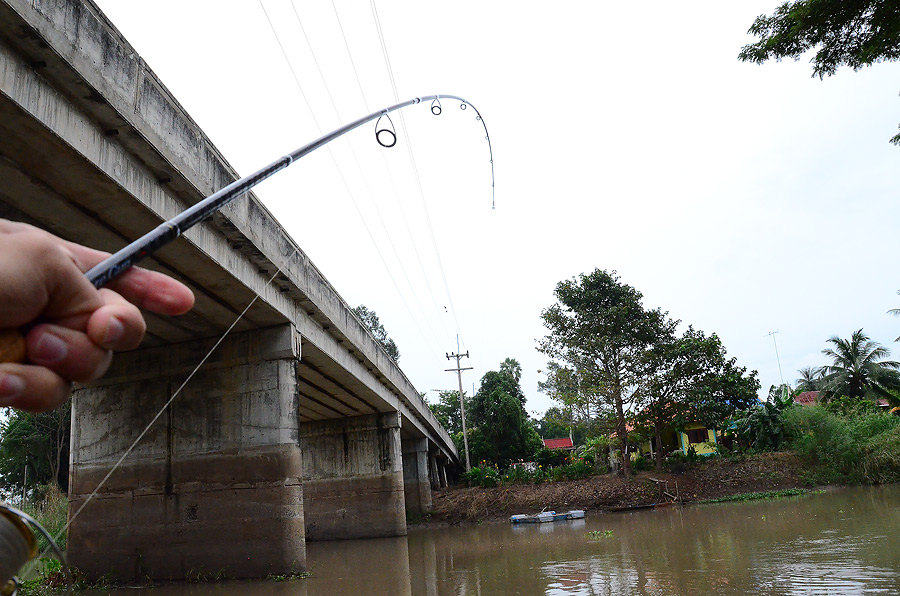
(214, 487)
(416, 486)
(353, 477)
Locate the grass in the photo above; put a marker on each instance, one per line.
(771, 494)
(597, 534)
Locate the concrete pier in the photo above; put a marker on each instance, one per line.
(214, 488)
(416, 482)
(353, 477)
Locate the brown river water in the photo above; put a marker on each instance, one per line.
(845, 541)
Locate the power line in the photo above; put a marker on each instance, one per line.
(387, 169)
(344, 179)
(415, 168)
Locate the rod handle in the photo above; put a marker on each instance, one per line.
(12, 346)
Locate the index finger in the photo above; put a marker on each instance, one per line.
(145, 289)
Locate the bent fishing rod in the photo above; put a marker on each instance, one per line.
(17, 541)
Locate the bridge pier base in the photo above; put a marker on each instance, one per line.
(416, 485)
(214, 487)
(353, 477)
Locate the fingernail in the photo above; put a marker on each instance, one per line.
(11, 387)
(114, 331)
(50, 349)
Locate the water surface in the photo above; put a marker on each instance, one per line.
(842, 542)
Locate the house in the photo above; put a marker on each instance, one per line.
(702, 439)
(565, 444)
(807, 398)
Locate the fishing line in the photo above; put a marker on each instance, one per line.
(121, 261)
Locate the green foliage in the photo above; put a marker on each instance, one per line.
(38, 442)
(862, 448)
(550, 457)
(772, 494)
(859, 369)
(641, 463)
(811, 379)
(855, 34)
(598, 333)
(851, 406)
(498, 416)
(371, 321)
(484, 475)
(762, 427)
(447, 410)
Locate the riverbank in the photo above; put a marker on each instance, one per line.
(710, 479)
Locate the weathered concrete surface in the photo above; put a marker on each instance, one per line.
(215, 484)
(416, 481)
(87, 127)
(94, 148)
(353, 478)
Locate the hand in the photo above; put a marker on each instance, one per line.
(75, 326)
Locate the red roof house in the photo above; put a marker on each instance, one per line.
(807, 398)
(558, 443)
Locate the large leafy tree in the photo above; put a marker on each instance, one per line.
(598, 333)
(370, 320)
(859, 369)
(689, 379)
(34, 448)
(447, 410)
(854, 33)
(498, 417)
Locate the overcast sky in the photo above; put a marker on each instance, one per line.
(743, 199)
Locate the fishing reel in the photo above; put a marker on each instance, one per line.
(18, 545)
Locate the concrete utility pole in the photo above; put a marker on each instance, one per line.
(462, 406)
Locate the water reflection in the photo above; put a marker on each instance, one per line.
(844, 542)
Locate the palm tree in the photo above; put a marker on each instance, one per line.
(859, 369)
(896, 313)
(810, 379)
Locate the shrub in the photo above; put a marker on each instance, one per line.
(862, 448)
(484, 475)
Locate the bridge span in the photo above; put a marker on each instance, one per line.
(298, 427)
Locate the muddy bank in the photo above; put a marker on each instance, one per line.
(717, 477)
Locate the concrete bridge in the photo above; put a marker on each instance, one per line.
(298, 427)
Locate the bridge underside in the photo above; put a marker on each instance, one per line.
(297, 427)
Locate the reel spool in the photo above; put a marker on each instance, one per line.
(18, 545)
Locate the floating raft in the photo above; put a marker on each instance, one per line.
(546, 516)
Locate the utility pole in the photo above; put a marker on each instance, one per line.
(462, 406)
(777, 359)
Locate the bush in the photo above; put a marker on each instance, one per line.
(484, 475)
(550, 457)
(861, 448)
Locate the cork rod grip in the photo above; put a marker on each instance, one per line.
(12, 346)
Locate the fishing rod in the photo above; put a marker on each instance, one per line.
(17, 541)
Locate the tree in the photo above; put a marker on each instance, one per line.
(896, 313)
(810, 379)
(370, 320)
(689, 379)
(447, 410)
(499, 420)
(599, 331)
(856, 34)
(38, 442)
(762, 426)
(859, 369)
